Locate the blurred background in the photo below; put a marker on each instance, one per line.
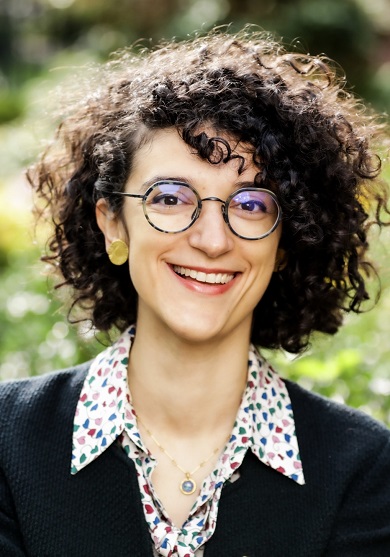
(41, 43)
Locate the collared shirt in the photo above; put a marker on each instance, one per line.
(264, 424)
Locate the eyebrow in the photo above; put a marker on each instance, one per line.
(186, 180)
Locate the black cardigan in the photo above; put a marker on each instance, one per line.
(343, 510)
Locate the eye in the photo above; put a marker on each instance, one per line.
(252, 203)
(166, 199)
(171, 195)
(252, 206)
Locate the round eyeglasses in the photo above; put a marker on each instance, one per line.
(171, 206)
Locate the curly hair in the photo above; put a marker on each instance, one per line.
(311, 141)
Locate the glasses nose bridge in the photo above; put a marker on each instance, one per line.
(223, 205)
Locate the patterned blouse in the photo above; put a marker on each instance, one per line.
(264, 425)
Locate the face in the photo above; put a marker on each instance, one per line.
(201, 284)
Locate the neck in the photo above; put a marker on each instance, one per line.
(187, 388)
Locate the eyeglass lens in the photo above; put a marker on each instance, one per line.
(174, 206)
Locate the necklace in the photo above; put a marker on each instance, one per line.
(188, 485)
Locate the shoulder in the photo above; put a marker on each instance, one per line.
(325, 413)
(41, 396)
(346, 463)
(335, 435)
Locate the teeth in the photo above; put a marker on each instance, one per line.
(211, 278)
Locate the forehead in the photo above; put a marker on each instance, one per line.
(164, 154)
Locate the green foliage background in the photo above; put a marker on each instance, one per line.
(41, 41)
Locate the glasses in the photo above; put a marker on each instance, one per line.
(171, 206)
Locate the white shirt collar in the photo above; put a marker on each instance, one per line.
(264, 423)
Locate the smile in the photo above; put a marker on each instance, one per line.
(200, 276)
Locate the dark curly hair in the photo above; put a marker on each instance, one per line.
(311, 141)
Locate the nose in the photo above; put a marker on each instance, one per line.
(210, 233)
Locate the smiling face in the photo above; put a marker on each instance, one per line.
(203, 283)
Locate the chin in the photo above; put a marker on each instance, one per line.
(197, 331)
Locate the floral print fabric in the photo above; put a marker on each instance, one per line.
(264, 425)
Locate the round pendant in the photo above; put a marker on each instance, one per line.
(188, 486)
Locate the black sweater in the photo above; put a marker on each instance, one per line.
(343, 510)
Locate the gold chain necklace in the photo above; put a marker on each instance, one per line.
(188, 485)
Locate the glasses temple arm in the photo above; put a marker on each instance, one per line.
(126, 194)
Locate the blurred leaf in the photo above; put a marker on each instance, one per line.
(11, 106)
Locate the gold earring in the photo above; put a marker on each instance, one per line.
(118, 252)
(280, 260)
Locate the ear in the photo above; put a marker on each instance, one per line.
(109, 223)
(280, 260)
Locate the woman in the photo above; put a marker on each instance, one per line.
(207, 197)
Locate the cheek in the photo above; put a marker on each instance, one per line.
(263, 255)
(144, 252)
(263, 266)
(137, 251)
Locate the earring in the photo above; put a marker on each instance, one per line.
(280, 260)
(118, 252)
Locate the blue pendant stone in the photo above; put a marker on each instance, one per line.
(187, 486)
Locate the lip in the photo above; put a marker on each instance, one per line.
(206, 270)
(205, 287)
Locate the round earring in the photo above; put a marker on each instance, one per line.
(118, 252)
(280, 260)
